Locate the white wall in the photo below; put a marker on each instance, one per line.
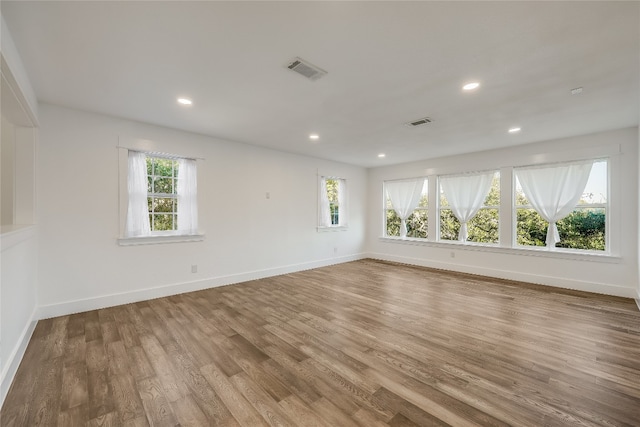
(16, 76)
(617, 275)
(18, 278)
(81, 266)
(18, 252)
(7, 149)
(18, 234)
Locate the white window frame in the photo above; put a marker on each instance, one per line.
(123, 200)
(343, 209)
(174, 196)
(440, 208)
(385, 209)
(337, 203)
(606, 206)
(612, 153)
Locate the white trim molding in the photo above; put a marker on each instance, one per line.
(322, 229)
(558, 282)
(15, 357)
(157, 239)
(575, 255)
(77, 306)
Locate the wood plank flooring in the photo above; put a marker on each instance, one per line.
(365, 343)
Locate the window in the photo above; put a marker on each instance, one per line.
(416, 221)
(467, 202)
(162, 196)
(558, 207)
(162, 193)
(582, 224)
(334, 202)
(333, 207)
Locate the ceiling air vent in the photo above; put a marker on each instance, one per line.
(419, 122)
(306, 69)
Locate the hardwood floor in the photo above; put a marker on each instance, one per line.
(366, 343)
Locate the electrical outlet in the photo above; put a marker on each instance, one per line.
(335, 251)
(268, 195)
(194, 268)
(453, 254)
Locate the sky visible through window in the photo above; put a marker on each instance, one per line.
(596, 189)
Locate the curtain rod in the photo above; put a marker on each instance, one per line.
(161, 154)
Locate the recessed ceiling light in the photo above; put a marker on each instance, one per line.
(514, 130)
(471, 86)
(185, 101)
(381, 155)
(314, 136)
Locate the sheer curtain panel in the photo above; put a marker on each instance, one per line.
(325, 211)
(342, 205)
(554, 192)
(404, 196)
(187, 197)
(466, 195)
(138, 211)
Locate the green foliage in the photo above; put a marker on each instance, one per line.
(161, 178)
(162, 204)
(531, 229)
(332, 190)
(332, 194)
(163, 222)
(449, 225)
(483, 228)
(163, 185)
(393, 223)
(581, 229)
(417, 225)
(162, 175)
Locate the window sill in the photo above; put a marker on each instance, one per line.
(160, 239)
(539, 252)
(333, 228)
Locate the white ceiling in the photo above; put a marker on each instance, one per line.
(388, 63)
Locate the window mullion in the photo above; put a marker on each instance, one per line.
(506, 211)
(433, 213)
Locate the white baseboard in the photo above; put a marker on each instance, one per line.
(77, 306)
(559, 282)
(11, 367)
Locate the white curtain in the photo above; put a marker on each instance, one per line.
(342, 204)
(138, 211)
(187, 197)
(405, 196)
(465, 195)
(554, 192)
(325, 211)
